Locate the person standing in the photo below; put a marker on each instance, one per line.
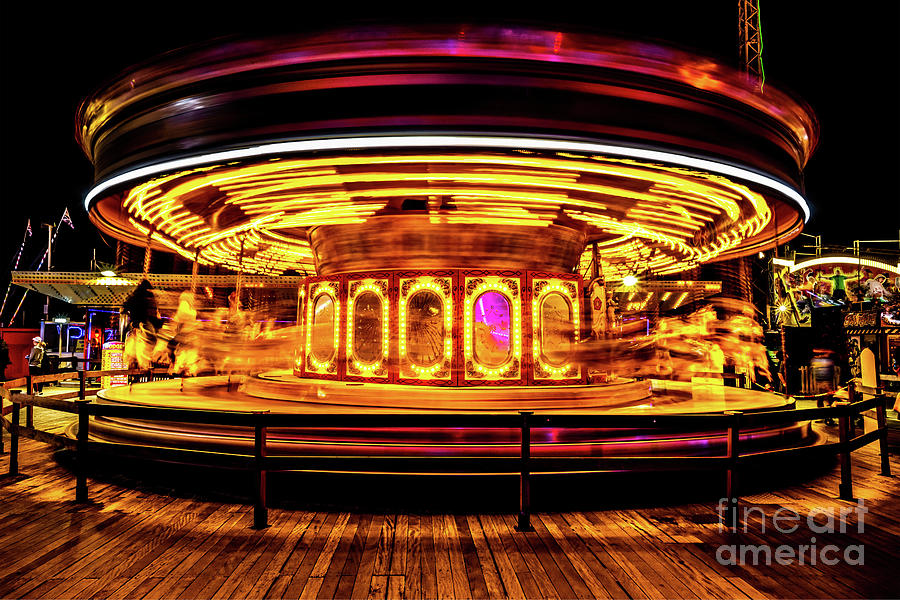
(823, 370)
(838, 287)
(36, 361)
(4, 359)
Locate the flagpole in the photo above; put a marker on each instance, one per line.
(65, 218)
(50, 238)
(25, 237)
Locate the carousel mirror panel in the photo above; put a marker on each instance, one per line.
(555, 320)
(323, 346)
(491, 330)
(300, 350)
(492, 323)
(426, 344)
(556, 335)
(368, 328)
(367, 346)
(323, 312)
(425, 329)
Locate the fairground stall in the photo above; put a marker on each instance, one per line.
(73, 344)
(850, 303)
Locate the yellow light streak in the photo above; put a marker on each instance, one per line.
(489, 189)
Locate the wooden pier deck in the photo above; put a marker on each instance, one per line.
(133, 540)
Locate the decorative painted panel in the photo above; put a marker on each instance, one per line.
(492, 328)
(300, 350)
(555, 327)
(323, 328)
(368, 328)
(426, 333)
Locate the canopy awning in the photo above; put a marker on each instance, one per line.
(92, 289)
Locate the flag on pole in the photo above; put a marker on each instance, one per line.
(67, 219)
(15, 268)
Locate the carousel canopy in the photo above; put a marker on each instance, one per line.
(273, 153)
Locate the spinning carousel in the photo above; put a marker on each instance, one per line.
(441, 187)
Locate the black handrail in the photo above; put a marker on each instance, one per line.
(730, 423)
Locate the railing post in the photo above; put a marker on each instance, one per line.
(29, 410)
(2, 447)
(14, 439)
(525, 475)
(881, 416)
(733, 453)
(845, 489)
(82, 384)
(81, 450)
(260, 512)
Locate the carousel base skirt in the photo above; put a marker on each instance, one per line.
(283, 393)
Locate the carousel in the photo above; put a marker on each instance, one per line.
(441, 190)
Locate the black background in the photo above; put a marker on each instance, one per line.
(842, 58)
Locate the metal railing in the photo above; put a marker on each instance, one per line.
(731, 423)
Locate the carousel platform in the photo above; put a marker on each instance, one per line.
(282, 393)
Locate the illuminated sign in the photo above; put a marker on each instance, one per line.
(113, 358)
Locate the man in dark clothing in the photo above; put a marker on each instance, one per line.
(140, 307)
(143, 324)
(4, 358)
(36, 361)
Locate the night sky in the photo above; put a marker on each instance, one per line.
(841, 58)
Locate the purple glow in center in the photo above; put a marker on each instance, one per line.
(492, 310)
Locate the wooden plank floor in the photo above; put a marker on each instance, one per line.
(136, 542)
